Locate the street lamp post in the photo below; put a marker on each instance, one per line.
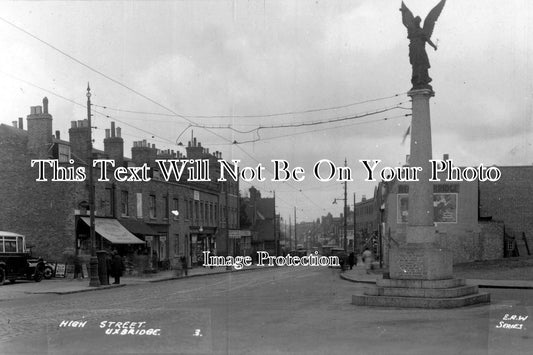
(93, 264)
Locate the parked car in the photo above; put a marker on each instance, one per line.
(16, 261)
(49, 269)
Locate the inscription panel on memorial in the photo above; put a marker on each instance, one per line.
(411, 262)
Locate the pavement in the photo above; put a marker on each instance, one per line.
(361, 274)
(63, 286)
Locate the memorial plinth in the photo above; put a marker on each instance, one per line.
(420, 271)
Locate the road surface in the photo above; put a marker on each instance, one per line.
(293, 310)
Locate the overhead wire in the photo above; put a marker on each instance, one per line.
(264, 115)
(129, 88)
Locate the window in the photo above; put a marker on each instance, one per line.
(108, 202)
(20, 245)
(175, 207)
(201, 214)
(139, 205)
(152, 206)
(10, 245)
(124, 203)
(176, 243)
(165, 206)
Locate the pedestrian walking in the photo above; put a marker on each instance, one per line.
(342, 261)
(367, 258)
(351, 260)
(108, 260)
(117, 267)
(184, 265)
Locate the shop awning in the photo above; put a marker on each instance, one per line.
(138, 227)
(113, 231)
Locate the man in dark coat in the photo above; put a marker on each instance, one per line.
(351, 260)
(117, 265)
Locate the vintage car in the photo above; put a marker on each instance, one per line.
(16, 261)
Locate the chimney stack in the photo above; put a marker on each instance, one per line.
(114, 144)
(79, 137)
(45, 105)
(39, 130)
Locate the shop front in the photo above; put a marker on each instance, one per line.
(201, 239)
(109, 235)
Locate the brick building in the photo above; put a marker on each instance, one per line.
(510, 201)
(259, 214)
(53, 214)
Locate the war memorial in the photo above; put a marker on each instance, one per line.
(420, 271)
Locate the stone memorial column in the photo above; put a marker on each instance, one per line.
(421, 258)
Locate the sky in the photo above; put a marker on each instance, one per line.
(165, 70)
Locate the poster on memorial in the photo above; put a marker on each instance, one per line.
(444, 208)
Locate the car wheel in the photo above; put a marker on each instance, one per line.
(38, 276)
(48, 272)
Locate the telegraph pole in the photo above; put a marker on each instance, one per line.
(276, 234)
(295, 236)
(354, 226)
(290, 232)
(345, 212)
(93, 264)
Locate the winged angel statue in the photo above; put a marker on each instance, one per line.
(417, 45)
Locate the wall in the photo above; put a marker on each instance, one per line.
(464, 236)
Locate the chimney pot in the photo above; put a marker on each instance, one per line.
(107, 133)
(445, 157)
(73, 124)
(45, 104)
(58, 135)
(21, 123)
(119, 132)
(112, 129)
(14, 124)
